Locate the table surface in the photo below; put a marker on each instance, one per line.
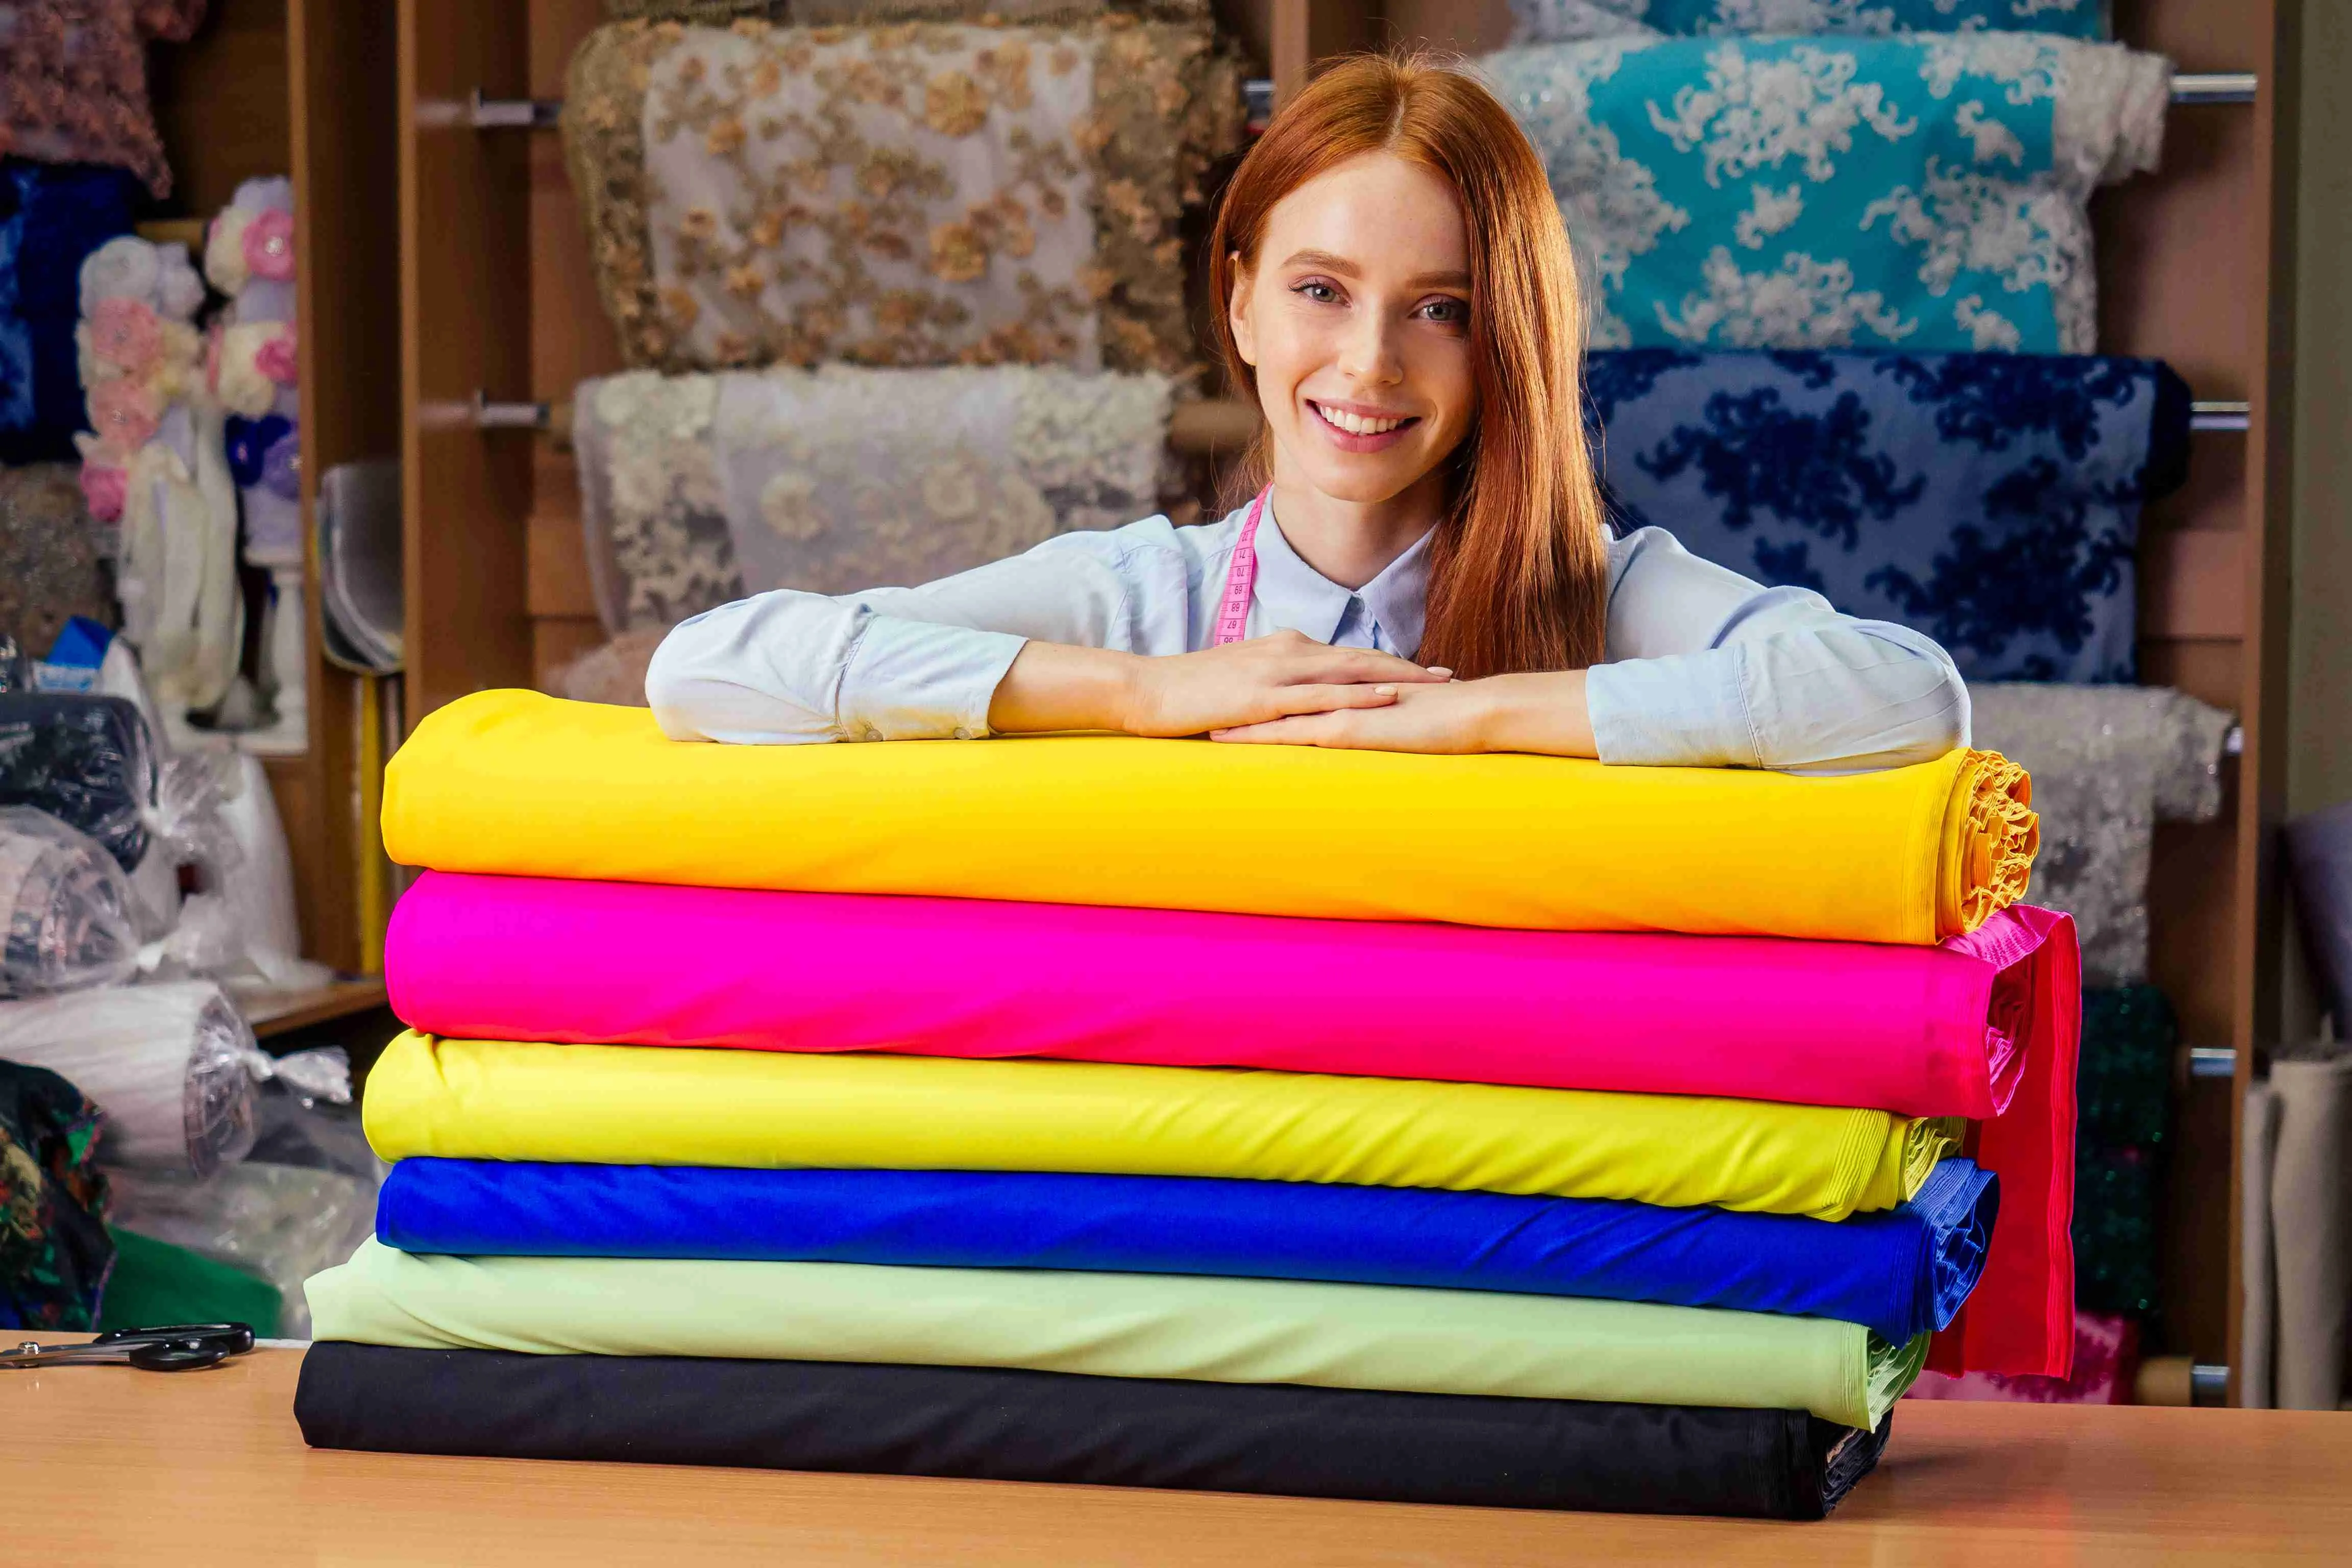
(106, 1465)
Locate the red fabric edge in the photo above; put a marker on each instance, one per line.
(2020, 1319)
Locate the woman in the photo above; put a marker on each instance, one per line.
(1428, 570)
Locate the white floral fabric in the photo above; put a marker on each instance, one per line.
(911, 195)
(702, 489)
(1565, 21)
(1924, 192)
(2108, 763)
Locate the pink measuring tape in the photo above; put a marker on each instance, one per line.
(1241, 577)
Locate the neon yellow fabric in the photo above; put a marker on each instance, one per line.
(515, 783)
(1119, 1325)
(624, 1105)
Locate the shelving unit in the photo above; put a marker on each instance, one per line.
(2194, 268)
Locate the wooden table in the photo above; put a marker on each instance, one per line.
(105, 1465)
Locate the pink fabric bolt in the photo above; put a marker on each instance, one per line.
(1925, 1031)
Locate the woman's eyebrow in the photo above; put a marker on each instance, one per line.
(1327, 262)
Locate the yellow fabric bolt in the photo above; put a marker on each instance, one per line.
(492, 1099)
(1119, 1325)
(517, 783)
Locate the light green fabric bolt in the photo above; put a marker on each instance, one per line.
(1119, 1325)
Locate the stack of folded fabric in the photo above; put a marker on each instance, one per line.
(1158, 1112)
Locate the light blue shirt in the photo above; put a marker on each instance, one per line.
(1703, 668)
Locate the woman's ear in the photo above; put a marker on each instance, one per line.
(1237, 312)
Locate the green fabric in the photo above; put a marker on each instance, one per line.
(1118, 1325)
(155, 1284)
(2123, 1090)
(2114, 1230)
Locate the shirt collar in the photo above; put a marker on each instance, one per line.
(1296, 594)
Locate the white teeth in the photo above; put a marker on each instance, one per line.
(1355, 425)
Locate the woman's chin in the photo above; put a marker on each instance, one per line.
(1366, 481)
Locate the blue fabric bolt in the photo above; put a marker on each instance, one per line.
(1990, 500)
(1900, 1273)
(1553, 21)
(52, 216)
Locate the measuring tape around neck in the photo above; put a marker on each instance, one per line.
(1241, 577)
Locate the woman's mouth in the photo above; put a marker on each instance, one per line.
(1354, 431)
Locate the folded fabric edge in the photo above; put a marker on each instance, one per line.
(1989, 851)
(1959, 1203)
(1889, 1371)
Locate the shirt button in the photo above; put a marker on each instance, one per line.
(961, 734)
(873, 735)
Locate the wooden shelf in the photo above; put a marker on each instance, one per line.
(282, 1012)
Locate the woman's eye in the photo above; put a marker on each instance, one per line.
(1447, 313)
(1321, 293)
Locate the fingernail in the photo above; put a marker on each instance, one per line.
(1440, 670)
(1384, 691)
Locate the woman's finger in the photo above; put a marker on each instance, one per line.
(1352, 665)
(1298, 699)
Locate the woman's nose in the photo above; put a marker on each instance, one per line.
(1369, 352)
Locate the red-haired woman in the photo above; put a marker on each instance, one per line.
(1427, 570)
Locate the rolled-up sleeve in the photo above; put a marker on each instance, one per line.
(1710, 669)
(891, 664)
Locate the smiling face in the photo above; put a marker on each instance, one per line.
(1356, 318)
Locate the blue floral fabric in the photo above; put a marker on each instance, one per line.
(52, 216)
(1923, 192)
(1991, 500)
(1559, 21)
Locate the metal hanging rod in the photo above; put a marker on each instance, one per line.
(2219, 414)
(2212, 1061)
(511, 114)
(489, 415)
(2214, 87)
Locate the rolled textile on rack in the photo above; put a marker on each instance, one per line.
(517, 783)
(1898, 1274)
(86, 759)
(839, 13)
(51, 218)
(1990, 500)
(994, 1424)
(2108, 764)
(496, 1099)
(1118, 1325)
(1926, 194)
(2130, 1040)
(66, 919)
(1566, 21)
(171, 1066)
(73, 86)
(2257, 1274)
(51, 555)
(1940, 1031)
(2311, 1227)
(976, 196)
(696, 488)
(2319, 863)
(53, 1250)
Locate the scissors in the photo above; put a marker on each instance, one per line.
(183, 1347)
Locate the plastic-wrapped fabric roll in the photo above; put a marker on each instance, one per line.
(996, 1424)
(85, 760)
(171, 1066)
(54, 1251)
(65, 908)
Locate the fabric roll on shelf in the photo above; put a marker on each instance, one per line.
(84, 759)
(1991, 500)
(53, 1250)
(73, 88)
(696, 490)
(2108, 764)
(843, 13)
(618, 1105)
(1929, 193)
(66, 908)
(1941, 1031)
(994, 1424)
(51, 552)
(1565, 21)
(991, 195)
(1898, 1274)
(2311, 1227)
(1119, 1325)
(2319, 865)
(51, 218)
(172, 1067)
(517, 783)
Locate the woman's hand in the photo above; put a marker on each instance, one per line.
(1541, 713)
(1054, 687)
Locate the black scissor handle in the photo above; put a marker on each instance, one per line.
(234, 1339)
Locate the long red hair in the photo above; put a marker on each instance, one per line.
(1519, 569)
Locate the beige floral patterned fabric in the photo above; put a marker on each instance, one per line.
(820, 13)
(911, 195)
(699, 488)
